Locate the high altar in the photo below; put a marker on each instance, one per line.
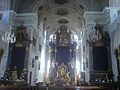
(63, 56)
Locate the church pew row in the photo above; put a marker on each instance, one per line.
(18, 88)
(47, 88)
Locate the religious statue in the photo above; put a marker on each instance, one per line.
(21, 34)
(63, 73)
(46, 79)
(6, 75)
(22, 76)
(63, 39)
(61, 70)
(25, 74)
(78, 79)
(14, 73)
(117, 53)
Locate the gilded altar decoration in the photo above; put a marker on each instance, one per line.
(63, 36)
(46, 79)
(1, 53)
(63, 73)
(64, 39)
(78, 79)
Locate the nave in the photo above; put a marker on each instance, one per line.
(60, 44)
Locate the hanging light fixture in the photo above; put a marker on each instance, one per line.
(9, 37)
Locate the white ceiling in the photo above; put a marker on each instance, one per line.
(72, 12)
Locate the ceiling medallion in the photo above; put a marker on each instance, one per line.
(62, 12)
(63, 21)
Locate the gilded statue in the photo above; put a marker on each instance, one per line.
(63, 73)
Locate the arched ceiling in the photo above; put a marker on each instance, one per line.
(55, 13)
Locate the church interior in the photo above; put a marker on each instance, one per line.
(60, 44)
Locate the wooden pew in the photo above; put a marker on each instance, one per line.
(19, 88)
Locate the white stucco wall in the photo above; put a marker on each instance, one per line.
(4, 24)
(114, 3)
(115, 42)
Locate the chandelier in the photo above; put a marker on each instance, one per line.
(94, 34)
(9, 37)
